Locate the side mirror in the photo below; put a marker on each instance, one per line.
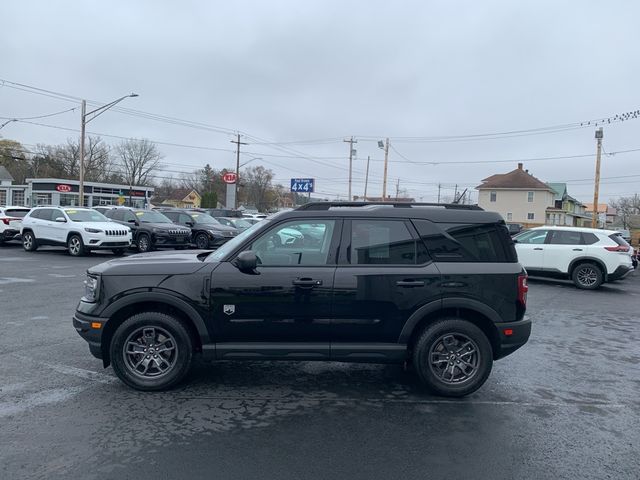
(61, 220)
(131, 220)
(189, 224)
(247, 262)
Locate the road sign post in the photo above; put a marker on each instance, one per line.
(231, 179)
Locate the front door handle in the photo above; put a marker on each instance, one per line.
(410, 283)
(538, 248)
(452, 285)
(577, 249)
(306, 282)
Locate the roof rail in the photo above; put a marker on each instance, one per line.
(328, 205)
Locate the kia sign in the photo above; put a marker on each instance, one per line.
(63, 188)
(229, 177)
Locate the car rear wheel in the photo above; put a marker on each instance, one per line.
(29, 242)
(202, 241)
(144, 243)
(587, 276)
(151, 351)
(453, 357)
(75, 246)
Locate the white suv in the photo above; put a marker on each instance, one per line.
(588, 256)
(80, 230)
(11, 222)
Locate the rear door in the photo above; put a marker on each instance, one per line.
(530, 247)
(561, 248)
(384, 275)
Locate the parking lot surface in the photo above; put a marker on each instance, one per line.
(567, 405)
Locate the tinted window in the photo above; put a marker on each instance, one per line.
(589, 238)
(566, 237)
(286, 245)
(115, 214)
(173, 216)
(532, 237)
(57, 214)
(616, 237)
(128, 216)
(448, 242)
(384, 242)
(43, 213)
(16, 213)
(183, 218)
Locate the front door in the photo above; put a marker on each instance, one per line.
(384, 275)
(530, 247)
(288, 297)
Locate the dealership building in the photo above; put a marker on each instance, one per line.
(57, 191)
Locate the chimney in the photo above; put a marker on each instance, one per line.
(519, 166)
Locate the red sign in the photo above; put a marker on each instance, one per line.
(63, 188)
(229, 177)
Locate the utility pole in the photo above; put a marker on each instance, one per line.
(351, 141)
(83, 117)
(384, 178)
(596, 190)
(455, 194)
(397, 188)
(366, 178)
(439, 193)
(237, 184)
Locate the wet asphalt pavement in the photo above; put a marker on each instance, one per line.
(567, 405)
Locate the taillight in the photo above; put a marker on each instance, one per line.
(617, 248)
(8, 220)
(523, 288)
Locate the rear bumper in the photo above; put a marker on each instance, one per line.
(513, 335)
(9, 234)
(620, 272)
(90, 329)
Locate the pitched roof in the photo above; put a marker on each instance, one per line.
(4, 174)
(602, 208)
(516, 179)
(559, 189)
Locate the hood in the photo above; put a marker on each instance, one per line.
(102, 225)
(172, 262)
(164, 226)
(217, 226)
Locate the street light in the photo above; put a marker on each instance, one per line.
(84, 119)
(251, 160)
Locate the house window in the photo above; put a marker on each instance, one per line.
(493, 196)
(530, 197)
(509, 216)
(531, 216)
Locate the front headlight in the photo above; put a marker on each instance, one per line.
(91, 285)
(92, 230)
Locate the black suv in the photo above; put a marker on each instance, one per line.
(206, 231)
(151, 229)
(436, 285)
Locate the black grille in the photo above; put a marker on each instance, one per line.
(116, 233)
(179, 232)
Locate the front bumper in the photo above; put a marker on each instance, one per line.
(170, 241)
(90, 328)
(620, 272)
(513, 335)
(95, 242)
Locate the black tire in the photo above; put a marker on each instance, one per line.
(144, 243)
(75, 246)
(458, 346)
(134, 343)
(587, 276)
(29, 242)
(202, 241)
(118, 252)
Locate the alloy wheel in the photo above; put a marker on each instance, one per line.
(454, 358)
(75, 246)
(150, 352)
(27, 241)
(587, 276)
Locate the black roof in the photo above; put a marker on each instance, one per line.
(441, 213)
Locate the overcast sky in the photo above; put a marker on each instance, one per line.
(323, 71)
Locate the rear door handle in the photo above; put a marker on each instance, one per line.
(577, 249)
(410, 283)
(538, 248)
(452, 285)
(306, 282)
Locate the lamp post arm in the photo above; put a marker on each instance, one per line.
(104, 108)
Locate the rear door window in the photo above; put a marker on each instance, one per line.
(535, 237)
(384, 242)
(566, 237)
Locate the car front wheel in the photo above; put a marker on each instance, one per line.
(453, 357)
(151, 351)
(29, 242)
(202, 241)
(144, 243)
(75, 246)
(587, 276)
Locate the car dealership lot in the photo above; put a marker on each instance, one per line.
(564, 406)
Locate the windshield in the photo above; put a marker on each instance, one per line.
(240, 223)
(85, 216)
(204, 218)
(149, 216)
(232, 244)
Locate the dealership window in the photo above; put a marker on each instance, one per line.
(3, 197)
(531, 216)
(41, 199)
(509, 216)
(494, 196)
(18, 197)
(530, 197)
(69, 200)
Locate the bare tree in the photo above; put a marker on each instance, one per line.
(256, 187)
(138, 160)
(98, 163)
(625, 207)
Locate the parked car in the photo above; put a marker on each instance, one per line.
(220, 212)
(240, 224)
(514, 228)
(103, 209)
(11, 222)
(151, 229)
(206, 231)
(80, 230)
(587, 256)
(440, 287)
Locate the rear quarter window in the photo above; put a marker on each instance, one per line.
(480, 243)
